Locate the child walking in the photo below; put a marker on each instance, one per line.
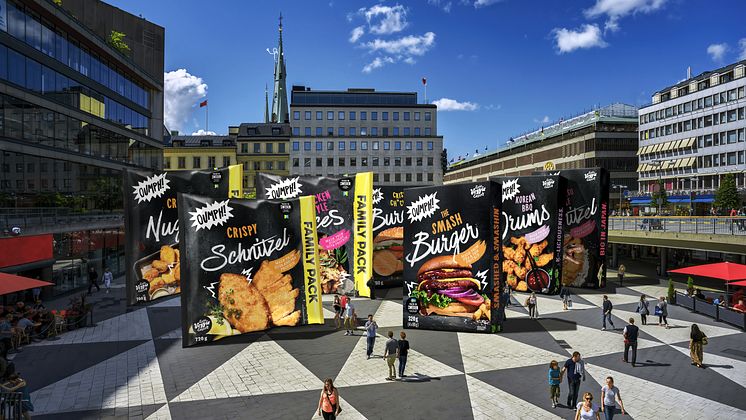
(555, 378)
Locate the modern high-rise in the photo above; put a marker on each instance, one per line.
(74, 112)
(360, 130)
(692, 134)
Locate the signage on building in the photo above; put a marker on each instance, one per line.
(549, 166)
(3, 16)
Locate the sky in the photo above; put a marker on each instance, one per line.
(496, 68)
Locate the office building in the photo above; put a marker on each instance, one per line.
(198, 152)
(261, 148)
(691, 135)
(74, 113)
(604, 137)
(359, 130)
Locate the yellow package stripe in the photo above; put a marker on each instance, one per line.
(311, 260)
(235, 181)
(363, 227)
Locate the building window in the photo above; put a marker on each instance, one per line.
(417, 132)
(319, 146)
(429, 145)
(397, 177)
(374, 131)
(375, 161)
(408, 161)
(385, 115)
(428, 131)
(386, 177)
(428, 116)
(330, 115)
(375, 145)
(385, 131)
(307, 162)
(319, 115)
(269, 147)
(406, 131)
(363, 115)
(244, 147)
(182, 163)
(364, 161)
(363, 131)
(353, 161)
(296, 131)
(330, 145)
(419, 161)
(319, 131)
(416, 116)
(419, 145)
(295, 162)
(307, 115)
(196, 163)
(269, 165)
(257, 147)
(281, 165)
(397, 145)
(296, 115)
(374, 115)
(341, 115)
(341, 161)
(257, 166)
(341, 145)
(408, 145)
(308, 131)
(296, 146)
(330, 162)
(166, 163)
(281, 148)
(341, 131)
(396, 131)
(396, 116)
(353, 145)
(406, 116)
(330, 131)
(363, 145)
(397, 161)
(430, 177)
(429, 161)
(409, 177)
(319, 162)
(352, 132)
(307, 146)
(386, 145)
(226, 161)
(352, 115)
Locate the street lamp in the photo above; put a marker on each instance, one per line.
(620, 188)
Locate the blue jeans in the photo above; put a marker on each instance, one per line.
(609, 411)
(371, 342)
(605, 316)
(402, 364)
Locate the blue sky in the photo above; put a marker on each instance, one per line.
(511, 66)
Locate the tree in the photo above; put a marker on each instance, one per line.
(690, 285)
(671, 292)
(726, 197)
(116, 40)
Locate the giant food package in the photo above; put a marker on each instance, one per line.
(344, 213)
(532, 237)
(388, 235)
(586, 229)
(152, 251)
(249, 265)
(451, 272)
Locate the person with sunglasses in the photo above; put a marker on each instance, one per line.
(587, 410)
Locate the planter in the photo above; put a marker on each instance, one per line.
(732, 317)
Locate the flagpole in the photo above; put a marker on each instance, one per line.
(207, 107)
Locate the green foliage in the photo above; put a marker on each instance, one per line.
(116, 40)
(726, 197)
(57, 2)
(671, 291)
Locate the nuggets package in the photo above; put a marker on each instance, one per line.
(450, 268)
(344, 213)
(249, 265)
(151, 226)
(586, 227)
(388, 235)
(533, 217)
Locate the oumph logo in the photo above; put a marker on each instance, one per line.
(478, 191)
(152, 187)
(590, 176)
(422, 208)
(377, 195)
(510, 189)
(287, 188)
(211, 215)
(548, 183)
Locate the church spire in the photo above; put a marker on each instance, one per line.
(266, 105)
(280, 107)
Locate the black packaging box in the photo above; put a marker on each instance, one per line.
(388, 235)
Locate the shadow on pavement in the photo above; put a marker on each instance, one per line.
(417, 377)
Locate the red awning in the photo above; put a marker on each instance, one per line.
(738, 283)
(10, 283)
(727, 271)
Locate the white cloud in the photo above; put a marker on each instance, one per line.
(202, 132)
(569, 40)
(181, 92)
(356, 34)
(717, 51)
(484, 3)
(617, 9)
(443, 4)
(542, 120)
(409, 60)
(493, 107)
(384, 20)
(742, 47)
(409, 45)
(378, 62)
(447, 104)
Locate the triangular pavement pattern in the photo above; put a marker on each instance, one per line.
(359, 370)
(132, 378)
(390, 314)
(482, 352)
(735, 370)
(168, 302)
(173, 334)
(130, 326)
(594, 342)
(616, 299)
(488, 402)
(675, 404)
(348, 411)
(304, 347)
(163, 320)
(679, 331)
(162, 413)
(261, 368)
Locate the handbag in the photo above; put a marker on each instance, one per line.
(658, 311)
(704, 341)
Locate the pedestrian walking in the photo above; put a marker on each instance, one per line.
(371, 327)
(337, 305)
(15, 383)
(643, 310)
(566, 299)
(587, 410)
(620, 273)
(630, 334)
(574, 369)
(92, 279)
(609, 395)
(697, 341)
(555, 379)
(607, 307)
(350, 318)
(661, 311)
(531, 304)
(329, 406)
(372, 287)
(107, 277)
(402, 352)
(390, 353)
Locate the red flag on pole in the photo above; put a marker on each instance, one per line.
(203, 103)
(424, 81)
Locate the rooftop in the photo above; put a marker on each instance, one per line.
(303, 95)
(201, 141)
(261, 130)
(703, 76)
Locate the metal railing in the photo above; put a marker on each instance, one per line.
(11, 405)
(51, 220)
(695, 225)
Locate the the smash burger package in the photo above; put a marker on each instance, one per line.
(533, 217)
(586, 229)
(151, 217)
(388, 235)
(344, 213)
(249, 265)
(451, 272)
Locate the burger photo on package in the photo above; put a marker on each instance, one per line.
(388, 231)
(446, 286)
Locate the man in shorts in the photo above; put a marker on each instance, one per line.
(350, 318)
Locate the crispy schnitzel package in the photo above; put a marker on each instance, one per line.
(388, 235)
(152, 252)
(586, 227)
(451, 272)
(532, 237)
(249, 265)
(344, 213)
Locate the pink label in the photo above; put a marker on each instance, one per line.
(583, 230)
(335, 241)
(538, 235)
